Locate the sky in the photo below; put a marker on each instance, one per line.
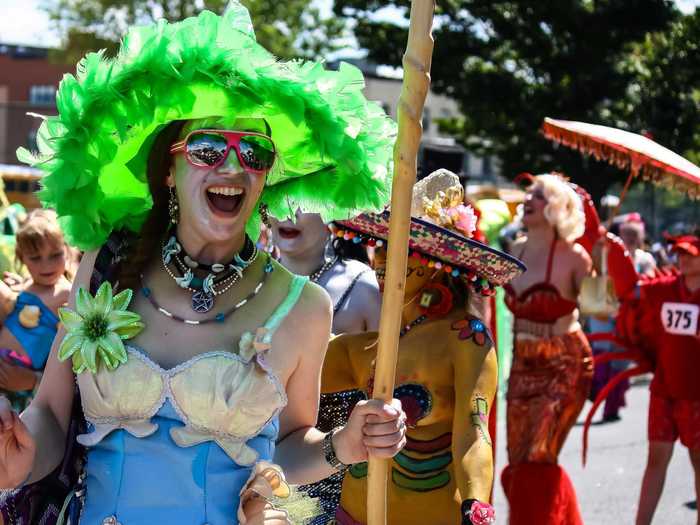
(22, 22)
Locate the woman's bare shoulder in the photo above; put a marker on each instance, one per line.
(575, 257)
(355, 267)
(578, 253)
(314, 305)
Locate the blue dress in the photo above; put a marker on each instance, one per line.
(177, 446)
(152, 480)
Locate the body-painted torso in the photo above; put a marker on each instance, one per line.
(422, 487)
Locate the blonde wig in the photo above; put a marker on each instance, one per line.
(564, 209)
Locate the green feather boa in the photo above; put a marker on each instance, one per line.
(335, 146)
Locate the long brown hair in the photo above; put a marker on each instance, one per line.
(157, 170)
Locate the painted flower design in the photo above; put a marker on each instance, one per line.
(96, 330)
(472, 328)
(482, 514)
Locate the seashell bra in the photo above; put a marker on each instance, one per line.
(220, 396)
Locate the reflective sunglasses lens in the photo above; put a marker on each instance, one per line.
(257, 153)
(206, 149)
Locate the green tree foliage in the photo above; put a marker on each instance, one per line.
(664, 99)
(289, 28)
(509, 64)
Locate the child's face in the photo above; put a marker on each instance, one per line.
(46, 265)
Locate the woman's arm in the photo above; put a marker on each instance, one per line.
(48, 416)
(475, 383)
(373, 428)
(305, 333)
(582, 266)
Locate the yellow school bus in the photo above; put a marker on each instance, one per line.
(21, 184)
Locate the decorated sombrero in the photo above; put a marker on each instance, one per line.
(441, 227)
(334, 145)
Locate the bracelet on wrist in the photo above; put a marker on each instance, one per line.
(475, 512)
(329, 451)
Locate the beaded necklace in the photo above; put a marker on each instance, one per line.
(219, 317)
(204, 290)
(323, 269)
(418, 320)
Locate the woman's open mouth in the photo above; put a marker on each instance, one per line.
(225, 201)
(288, 233)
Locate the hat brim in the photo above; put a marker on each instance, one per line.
(686, 247)
(689, 244)
(334, 145)
(440, 243)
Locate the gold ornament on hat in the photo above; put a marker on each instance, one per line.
(441, 198)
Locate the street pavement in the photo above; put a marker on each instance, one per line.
(608, 487)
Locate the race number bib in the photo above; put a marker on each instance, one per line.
(680, 318)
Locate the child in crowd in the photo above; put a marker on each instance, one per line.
(29, 312)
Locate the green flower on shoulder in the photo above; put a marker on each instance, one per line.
(97, 329)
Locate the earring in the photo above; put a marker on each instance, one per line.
(265, 214)
(173, 206)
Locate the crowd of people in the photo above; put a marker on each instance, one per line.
(213, 348)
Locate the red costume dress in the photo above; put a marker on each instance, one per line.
(549, 382)
(661, 318)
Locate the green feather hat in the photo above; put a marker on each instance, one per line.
(335, 146)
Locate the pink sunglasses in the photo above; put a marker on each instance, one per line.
(209, 148)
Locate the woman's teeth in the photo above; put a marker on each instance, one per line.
(228, 191)
(225, 199)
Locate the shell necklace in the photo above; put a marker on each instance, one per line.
(219, 317)
(220, 278)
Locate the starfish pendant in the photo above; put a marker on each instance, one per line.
(202, 302)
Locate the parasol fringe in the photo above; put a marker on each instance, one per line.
(622, 160)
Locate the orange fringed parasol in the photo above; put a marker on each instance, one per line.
(628, 151)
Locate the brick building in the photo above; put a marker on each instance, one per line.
(28, 84)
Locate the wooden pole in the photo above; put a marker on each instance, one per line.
(416, 83)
